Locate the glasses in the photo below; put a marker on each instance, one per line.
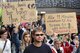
(39, 34)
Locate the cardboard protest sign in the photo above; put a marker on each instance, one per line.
(18, 12)
(9, 13)
(61, 22)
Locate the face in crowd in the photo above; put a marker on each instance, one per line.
(3, 34)
(57, 43)
(76, 42)
(38, 35)
(27, 37)
(65, 37)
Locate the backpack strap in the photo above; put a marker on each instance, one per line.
(4, 46)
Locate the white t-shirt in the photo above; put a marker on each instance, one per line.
(7, 47)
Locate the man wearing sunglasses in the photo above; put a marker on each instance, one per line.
(38, 46)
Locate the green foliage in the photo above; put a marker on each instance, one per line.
(0, 20)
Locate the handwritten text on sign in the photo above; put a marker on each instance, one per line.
(17, 12)
(61, 22)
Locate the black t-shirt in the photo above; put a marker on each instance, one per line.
(33, 49)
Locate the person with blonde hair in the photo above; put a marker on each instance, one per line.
(57, 46)
(75, 47)
(26, 41)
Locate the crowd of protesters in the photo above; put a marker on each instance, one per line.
(32, 38)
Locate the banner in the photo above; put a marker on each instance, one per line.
(61, 23)
(18, 12)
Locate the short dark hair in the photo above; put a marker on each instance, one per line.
(2, 31)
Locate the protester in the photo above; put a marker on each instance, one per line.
(57, 47)
(50, 39)
(5, 44)
(38, 46)
(15, 40)
(20, 31)
(65, 44)
(75, 47)
(73, 41)
(64, 41)
(26, 41)
(73, 36)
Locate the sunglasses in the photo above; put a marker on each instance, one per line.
(39, 34)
